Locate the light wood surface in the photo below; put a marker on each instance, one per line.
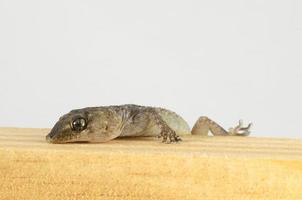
(144, 168)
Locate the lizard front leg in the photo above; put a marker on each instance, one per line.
(166, 132)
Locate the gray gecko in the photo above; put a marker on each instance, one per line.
(102, 124)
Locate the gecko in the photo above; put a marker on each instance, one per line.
(105, 123)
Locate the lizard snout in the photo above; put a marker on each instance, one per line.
(49, 138)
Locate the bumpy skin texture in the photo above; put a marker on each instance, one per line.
(102, 124)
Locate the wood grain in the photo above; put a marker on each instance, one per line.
(144, 168)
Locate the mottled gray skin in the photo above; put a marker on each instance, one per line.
(102, 124)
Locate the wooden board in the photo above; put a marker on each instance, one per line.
(144, 168)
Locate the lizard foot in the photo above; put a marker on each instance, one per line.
(169, 137)
(239, 130)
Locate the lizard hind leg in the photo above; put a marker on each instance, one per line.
(240, 130)
(204, 125)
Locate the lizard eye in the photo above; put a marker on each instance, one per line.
(79, 124)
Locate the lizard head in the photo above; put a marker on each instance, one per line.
(85, 125)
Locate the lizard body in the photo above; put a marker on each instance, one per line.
(102, 124)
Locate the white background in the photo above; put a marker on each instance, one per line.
(224, 59)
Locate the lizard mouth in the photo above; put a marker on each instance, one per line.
(50, 138)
